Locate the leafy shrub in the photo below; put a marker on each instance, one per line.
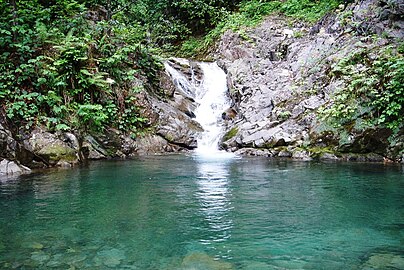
(64, 71)
(374, 89)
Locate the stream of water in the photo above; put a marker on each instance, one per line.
(213, 101)
(182, 212)
(210, 95)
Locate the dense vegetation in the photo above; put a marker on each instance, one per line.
(373, 91)
(65, 69)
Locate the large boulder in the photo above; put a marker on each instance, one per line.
(177, 127)
(51, 148)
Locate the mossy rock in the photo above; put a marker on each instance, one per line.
(53, 153)
(316, 152)
(230, 134)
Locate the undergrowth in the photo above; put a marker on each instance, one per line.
(373, 90)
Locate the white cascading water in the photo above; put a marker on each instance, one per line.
(210, 95)
(213, 101)
(180, 81)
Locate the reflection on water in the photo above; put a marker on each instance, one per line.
(214, 196)
(196, 212)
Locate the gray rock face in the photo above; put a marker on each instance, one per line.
(8, 167)
(175, 122)
(254, 152)
(93, 149)
(176, 127)
(8, 145)
(281, 77)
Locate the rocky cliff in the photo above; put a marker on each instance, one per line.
(283, 76)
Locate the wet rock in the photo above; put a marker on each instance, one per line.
(253, 152)
(71, 141)
(145, 106)
(370, 140)
(40, 257)
(328, 157)
(153, 144)
(58, 152)
(93, 149)
(301, 155)
(8, 167)
(285, 154)
(370, 157)
(184, 85)
(63, 164)
(176, 127)
(111, 257)
(167, 84)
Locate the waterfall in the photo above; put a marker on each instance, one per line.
(212, 101)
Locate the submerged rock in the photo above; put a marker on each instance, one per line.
(56, 261)
(40, 257)
(202, 261)
(33, 245)
(384, 261)
(110, 257)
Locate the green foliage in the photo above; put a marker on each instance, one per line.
(255, 10)
(252, 12)
(59, 69)
(91, 115)
(308, 10)
(374, 89)
(284, 115)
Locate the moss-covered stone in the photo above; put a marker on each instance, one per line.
(230, 134)
(56, 152)
(318, 152)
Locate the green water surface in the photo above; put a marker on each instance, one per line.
(184, 212)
